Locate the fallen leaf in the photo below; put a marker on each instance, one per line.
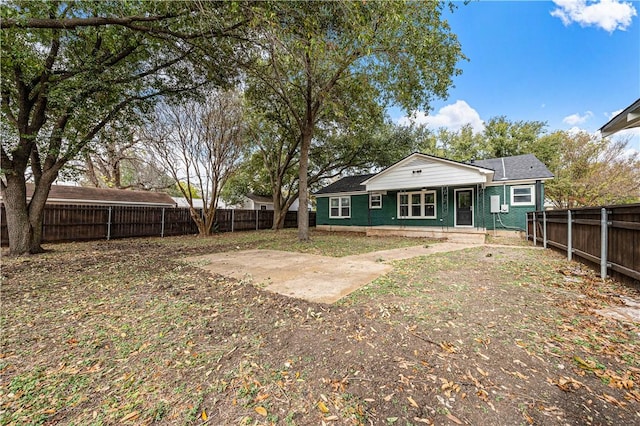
(585, 364)
(454, 419)
(412, 402)
(612, 400)
(204, 416)
(425, 421)
(131, 416)
(322, 407)
(262, 411)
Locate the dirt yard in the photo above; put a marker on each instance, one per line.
(126, 332)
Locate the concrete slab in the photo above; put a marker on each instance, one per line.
(315, 278)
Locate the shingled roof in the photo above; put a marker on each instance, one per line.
(346, 184)
(515, 168)
(518, 167)
(64, 194)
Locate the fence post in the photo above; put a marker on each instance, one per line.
(603, 243)
(233, 218)
(162, 229)
(569, 236)
(109, 224)
(535, 230)
(544, 229)
(257, 214)
(526, 226)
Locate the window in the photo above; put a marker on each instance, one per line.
(522, 195)
(375, 201)
(340, 207)
(417, 205)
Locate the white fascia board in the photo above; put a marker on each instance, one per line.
(517, 182)
(340, 194)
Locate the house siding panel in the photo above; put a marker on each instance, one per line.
(359, 212)
(516, 218)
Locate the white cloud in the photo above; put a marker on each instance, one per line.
(576, 118)
(610, 15)
(451, 117)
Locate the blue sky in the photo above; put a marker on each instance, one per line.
(570, 63)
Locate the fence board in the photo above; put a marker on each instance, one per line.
(622, 242)
(90, 222)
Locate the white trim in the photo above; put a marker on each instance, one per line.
(422, 204)
(370, 197)
(340, 207)
(455, 208)
(340, 194)
(517, 182)
(532, 187)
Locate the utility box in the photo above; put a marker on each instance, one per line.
(504, 208)
(495, 204)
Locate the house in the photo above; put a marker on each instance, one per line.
(259, 202)
(82, 195)
(627, 119)
(423, 195)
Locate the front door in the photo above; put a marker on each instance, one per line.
(464, 207)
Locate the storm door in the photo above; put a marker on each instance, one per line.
(464, 207)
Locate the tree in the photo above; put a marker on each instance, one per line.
(593, 171)
(118, 159)
(69, 69)
(321, 59)
(200, 143)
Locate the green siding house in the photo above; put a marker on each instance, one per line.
(427, 195)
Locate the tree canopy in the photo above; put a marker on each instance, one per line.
(323, 60)
(70, 68)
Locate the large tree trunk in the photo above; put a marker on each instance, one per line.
(18, 225)
(303, 179)
(24, 220)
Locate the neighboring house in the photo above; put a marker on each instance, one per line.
(183, 203)
(426, 193)
(627, 119)
(81, 195)
(259, 202)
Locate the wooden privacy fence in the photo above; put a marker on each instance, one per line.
(80, 223)
(607, 236)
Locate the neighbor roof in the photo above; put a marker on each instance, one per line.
(63, 194)
(346, 184)
(518, 167)
(627, 119)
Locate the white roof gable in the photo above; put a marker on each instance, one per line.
(425, 171)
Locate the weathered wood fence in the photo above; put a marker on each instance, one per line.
(81, 223)
(607, 236)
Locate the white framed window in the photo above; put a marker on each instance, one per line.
(417, 205)
(375, 200)
(340, 207)
(523, 195)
